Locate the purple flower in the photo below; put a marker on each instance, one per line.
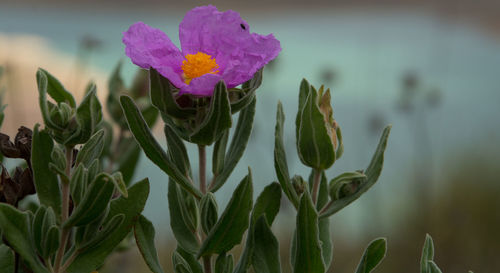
(214, 46)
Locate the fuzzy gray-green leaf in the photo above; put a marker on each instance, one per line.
(372, 256)
(46, 182)
(217, 120)
(151, 148)
(266, 258)
(162, 96)
(372, 174)
(94, 202)
(91, 150)
(308, 257)
(177, 151)
(238, 145)
(280, 163)
(93, 257)
(185, 238)
(228, 231)
(144, 236)
(56, 90)
(15, 226)
(6, 259)
(427, 254)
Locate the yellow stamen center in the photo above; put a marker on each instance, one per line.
(197, 65)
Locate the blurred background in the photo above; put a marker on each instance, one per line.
(429, 67)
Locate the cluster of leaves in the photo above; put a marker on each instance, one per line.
(81, 176)
(195, 221)
(194, 212)
(319, 145)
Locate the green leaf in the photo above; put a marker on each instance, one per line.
(194, 265)
(97, 231)
(238, 145)
(268, 203)
(314, 144)
(233, 222)
(249, 89)
(280, 163)
(224, 263)
(308, 256)
(56, 90)
(42, 82)
(151, 148)
(127, 163)
(46, 182)
(144, 236)
(92, 257)
(94, 202)
(372, 174)
(91, 150)
(427, 254)
(116, 86)
(433, 268)
(78, 184)
(7, 262)
(219, 153)
(324, 223)
(266, 258)
(372, 256)
(15, 226)
(209, 212)
(88, 117)
(37, 228)
(162, 97)
(185, 237)
(217, 120)
(6, 259)
(119, 183)
(180, 264)
(177, 151)
(51, 242)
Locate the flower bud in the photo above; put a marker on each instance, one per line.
(346, 184)
(325, 108)
(209, 212)
(299, 184)
(318, 135)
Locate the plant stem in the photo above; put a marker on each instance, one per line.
(317, 178)
(202, 157)
(202, 167)
(69, 261)
(65, 211)
(207, 264)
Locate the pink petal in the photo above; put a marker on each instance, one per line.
(227, 38)
(150, 47)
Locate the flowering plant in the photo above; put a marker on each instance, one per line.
(81, 173)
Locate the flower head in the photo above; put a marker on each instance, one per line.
(214, 46)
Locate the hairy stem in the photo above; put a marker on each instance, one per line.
(317, 178)
(202, 167)
(207, 264)
(202, 157)
(69, 261)
(65, 211)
